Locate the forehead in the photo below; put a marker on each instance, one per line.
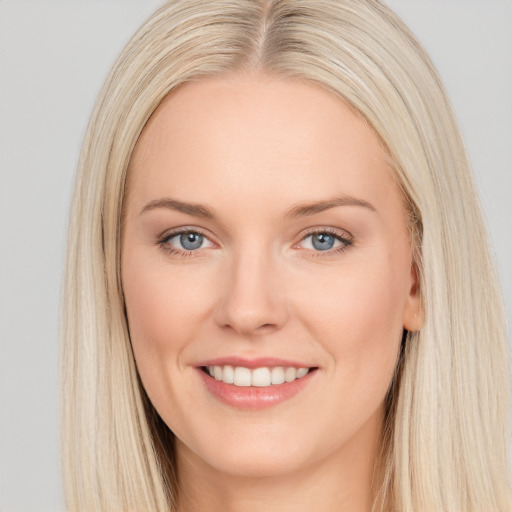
(241, 136)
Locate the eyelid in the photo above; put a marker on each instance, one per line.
(168, 233)
(162, 240)
(336, 232)
(342, 236)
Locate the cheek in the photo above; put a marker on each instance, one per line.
(356, 314)
(163, 303)
(164, 308)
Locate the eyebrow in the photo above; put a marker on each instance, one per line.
(304, 210)
(197, 210)
(298, 211)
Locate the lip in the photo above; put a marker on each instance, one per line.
(259, 362)
(252, 398)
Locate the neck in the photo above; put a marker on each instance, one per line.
(342, 482)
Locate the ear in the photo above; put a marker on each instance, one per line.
(413, 311)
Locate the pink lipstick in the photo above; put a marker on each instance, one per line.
(254, 383)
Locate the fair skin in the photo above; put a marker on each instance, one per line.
(259, 273)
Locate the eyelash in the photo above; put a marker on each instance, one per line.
(346, 242)
(163, 242)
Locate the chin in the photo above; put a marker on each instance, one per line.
(258, 465)
(261, 456)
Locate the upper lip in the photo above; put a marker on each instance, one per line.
(258, 362)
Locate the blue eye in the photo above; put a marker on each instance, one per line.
(185, 241)
(323, 241)
(191, 241)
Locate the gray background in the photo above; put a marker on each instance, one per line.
(54, 56)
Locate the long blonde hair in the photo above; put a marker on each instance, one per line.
(446, 431)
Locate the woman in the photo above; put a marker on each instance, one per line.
(279, 293)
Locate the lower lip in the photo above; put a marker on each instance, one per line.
(252, 397)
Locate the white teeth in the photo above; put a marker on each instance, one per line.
(301, 372)
(261, 377)
(258, 377)
(290, 374)
(242, 376)
(228, 374)
(277, 375)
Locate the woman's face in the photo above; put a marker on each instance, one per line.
(264, 234)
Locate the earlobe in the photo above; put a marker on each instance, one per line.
(414, 321)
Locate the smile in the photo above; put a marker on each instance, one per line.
(256, 377)
(255, 384)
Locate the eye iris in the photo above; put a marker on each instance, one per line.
(191, 241)
(323, 241)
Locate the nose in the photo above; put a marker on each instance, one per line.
(253, 297)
